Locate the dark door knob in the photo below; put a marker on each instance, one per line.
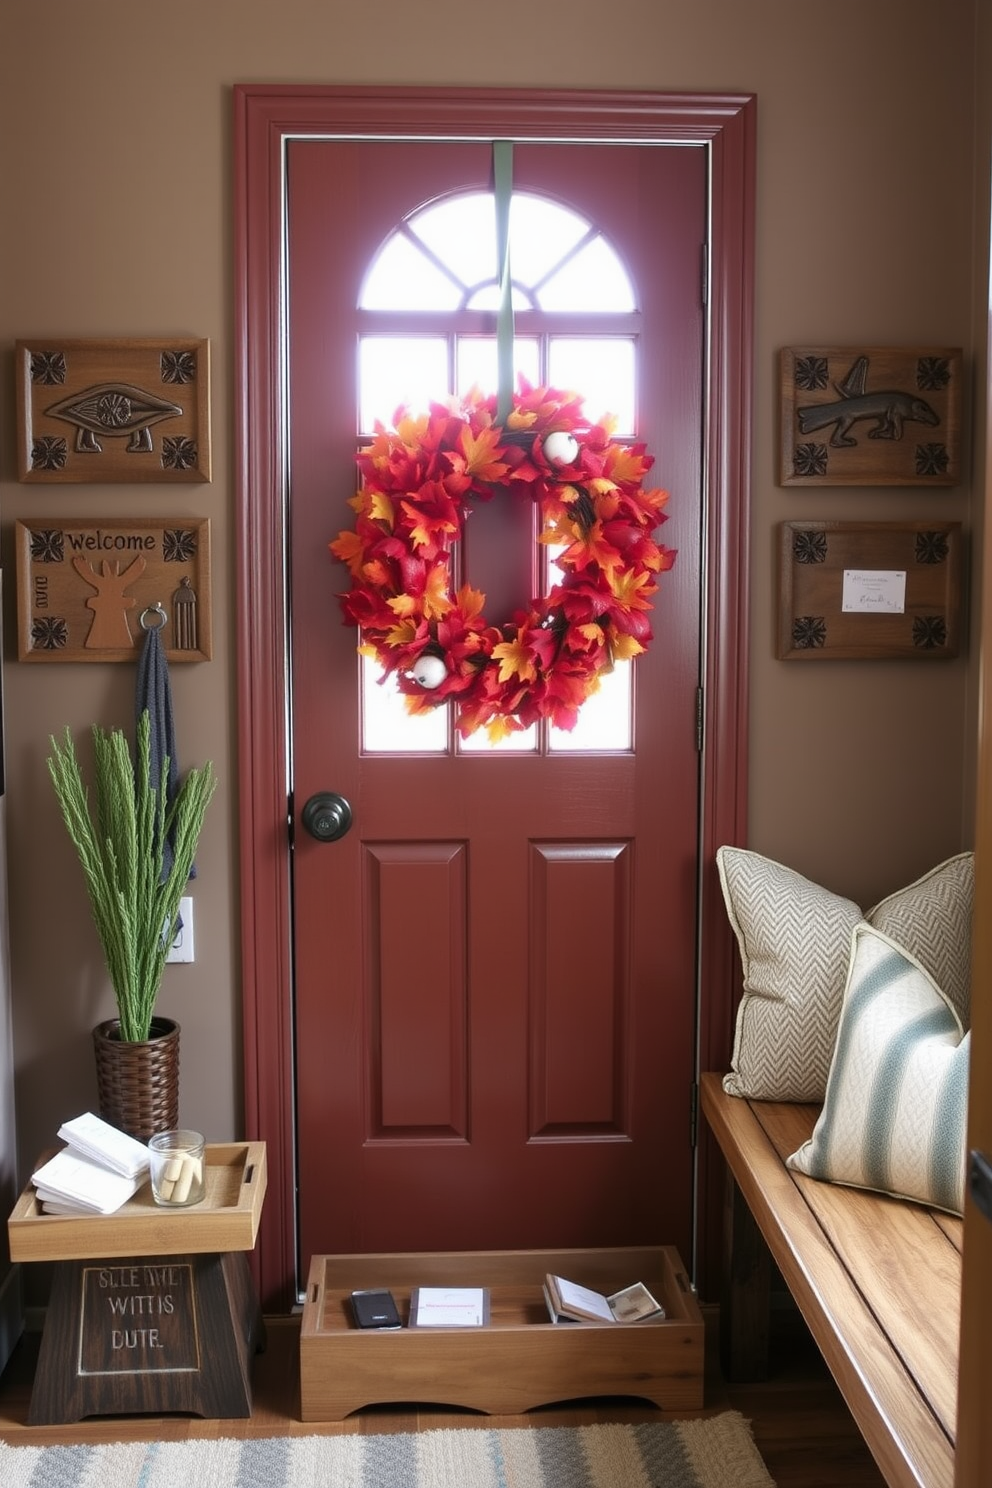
(327, 816)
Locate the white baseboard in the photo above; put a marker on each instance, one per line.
(11, 1313)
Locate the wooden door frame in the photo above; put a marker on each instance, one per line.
(974, 1423)
(266, 118)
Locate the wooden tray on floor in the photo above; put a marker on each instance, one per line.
(521, 1359)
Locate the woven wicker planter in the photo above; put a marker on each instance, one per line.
(138, 1083)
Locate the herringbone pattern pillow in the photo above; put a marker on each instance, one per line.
(895, 1111)
(932, 920)
(795, 946)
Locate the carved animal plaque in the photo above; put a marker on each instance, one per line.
(127, 410)
(871, 416)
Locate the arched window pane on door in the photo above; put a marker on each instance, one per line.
(440, 265)
(594, 263)
(445, 253)
(404, 272)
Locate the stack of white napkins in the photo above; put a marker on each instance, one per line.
(95, 1174)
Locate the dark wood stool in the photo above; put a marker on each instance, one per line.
(152, 1310)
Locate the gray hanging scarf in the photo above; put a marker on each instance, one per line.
(154, 693)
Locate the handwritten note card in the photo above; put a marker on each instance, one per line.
(874, 591)
(449, 1307)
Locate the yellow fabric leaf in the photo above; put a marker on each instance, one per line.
(471, 601)
(500, 728)
(625, 647)
(631, 589)
(411, 429)
(402, 634)
(437, 601)
(592, 632)
(380, 508)
(514, 661)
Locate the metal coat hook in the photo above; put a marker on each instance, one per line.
(155, 609)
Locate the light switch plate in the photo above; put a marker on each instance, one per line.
(182, 946)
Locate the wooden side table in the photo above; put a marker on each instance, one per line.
(152, 1310)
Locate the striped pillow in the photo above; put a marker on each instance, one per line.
(896, 1105)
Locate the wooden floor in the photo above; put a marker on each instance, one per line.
(800, 1423)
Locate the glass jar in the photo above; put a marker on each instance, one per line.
(177, 1168)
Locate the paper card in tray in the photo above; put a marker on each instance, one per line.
(449, 1307)
(70, 1179)
(99, 1142)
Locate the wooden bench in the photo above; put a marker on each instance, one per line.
(878, 1281)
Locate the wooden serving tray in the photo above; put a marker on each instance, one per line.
(226, 1220)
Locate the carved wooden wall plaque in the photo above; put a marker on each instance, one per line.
(870, 416)
(869, 591)
(87, 590)
(124, 410)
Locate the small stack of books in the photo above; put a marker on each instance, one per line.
(570, 1303)
(95, 1173)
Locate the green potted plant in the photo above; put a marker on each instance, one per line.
(134, 894)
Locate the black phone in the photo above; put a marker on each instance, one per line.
(375, 1308)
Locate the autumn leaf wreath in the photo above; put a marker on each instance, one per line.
(418, 480)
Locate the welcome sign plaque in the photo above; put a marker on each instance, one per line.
(89, 588)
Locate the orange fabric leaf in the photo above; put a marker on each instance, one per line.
(437, 601)
(470, 601)
(479, 450)
(350, 548)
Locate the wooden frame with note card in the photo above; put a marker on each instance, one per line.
(868, 591)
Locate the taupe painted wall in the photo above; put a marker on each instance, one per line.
(116, 219)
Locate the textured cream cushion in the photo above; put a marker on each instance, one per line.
(894, 1117)
(795, 945)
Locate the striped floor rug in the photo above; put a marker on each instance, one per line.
(715, 1453)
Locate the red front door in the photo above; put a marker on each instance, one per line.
(495, 967)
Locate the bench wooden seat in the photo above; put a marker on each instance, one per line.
(878, 1281)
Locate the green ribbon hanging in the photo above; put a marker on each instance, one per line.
(503, 190)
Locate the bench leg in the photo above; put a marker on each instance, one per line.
(746, 1297)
